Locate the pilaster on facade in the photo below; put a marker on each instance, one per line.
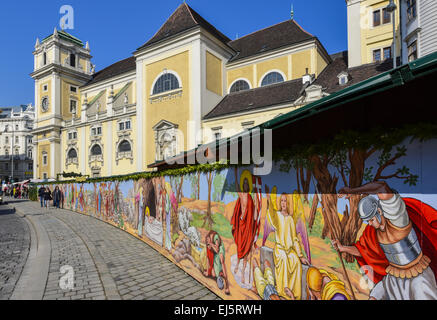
(141, 137)
(195, 136)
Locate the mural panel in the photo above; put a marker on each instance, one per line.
(356, 224)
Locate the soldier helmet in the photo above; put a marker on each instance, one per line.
(368, 208)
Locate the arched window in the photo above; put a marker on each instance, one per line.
(73, 60)
(166, 82)
(124, 146)
(96, 150)
(44, 58)
(72, 154)
(271, 78)
(240, 85)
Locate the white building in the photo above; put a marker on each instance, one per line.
(16, 145)
(419, 28)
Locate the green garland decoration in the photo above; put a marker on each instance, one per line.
(384, 138)
(188, 170)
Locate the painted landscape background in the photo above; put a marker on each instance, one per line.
(176, 215)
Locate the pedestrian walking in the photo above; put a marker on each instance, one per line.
(56, 197)
(41, 191)
(47, 197)
(62, 198)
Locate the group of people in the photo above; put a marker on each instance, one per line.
(16, 191)
(46, 195)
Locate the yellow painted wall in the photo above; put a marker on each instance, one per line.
(42, 94)
(376, 37)
(43, 147)
(214, 74)
(280, 63)
(321, 63)
(64, 55)
(242, 72)
(65, 99)
(233, 125)
(300, 61)
(125, 166)
(64, 149)
(176, 110)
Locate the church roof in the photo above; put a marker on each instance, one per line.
(113, 70)
(183, 19)
(66, 36)
(277, 36)
(258, 98)
(328, 78)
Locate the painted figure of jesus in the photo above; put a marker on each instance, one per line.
(244, 220)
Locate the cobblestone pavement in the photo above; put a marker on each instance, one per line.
(108, 263)
(14, 248)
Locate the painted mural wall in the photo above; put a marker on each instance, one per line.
(282, 236)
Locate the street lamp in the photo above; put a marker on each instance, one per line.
(391, 8)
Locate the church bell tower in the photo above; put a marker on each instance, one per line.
(62, 64)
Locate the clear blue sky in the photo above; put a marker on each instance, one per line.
(116, 28)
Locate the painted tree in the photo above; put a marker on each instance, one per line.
(348, 165)
(218, 183)
(195, 185)
(176, 184)
(208, 217)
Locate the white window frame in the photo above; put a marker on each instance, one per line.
(75, 108)
(96, 128)
(159, 76)
(44, 159)
(270, 71)
(124, 121)
(244, 79)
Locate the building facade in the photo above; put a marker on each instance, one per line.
(370, 31)
(188, 85)
(419, 28)
(16, 143)
(160, 101)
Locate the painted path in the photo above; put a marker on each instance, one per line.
(93, 259)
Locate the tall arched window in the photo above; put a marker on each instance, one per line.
(240, 85)
(166, 82)
(272, 78)
(72, 154)
(73, 60)
(96, 150)
(124, 146)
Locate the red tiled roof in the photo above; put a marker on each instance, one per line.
(280, 35)
(184, 18)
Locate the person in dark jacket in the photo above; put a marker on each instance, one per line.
(41, 195)
(56, 197)
(62, 198)
(47, 197)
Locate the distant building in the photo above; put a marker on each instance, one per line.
(370, 30)
(418, 28)
(16, 145)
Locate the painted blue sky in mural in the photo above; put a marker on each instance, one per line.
(420, 159)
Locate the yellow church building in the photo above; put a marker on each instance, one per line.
(187, 85)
